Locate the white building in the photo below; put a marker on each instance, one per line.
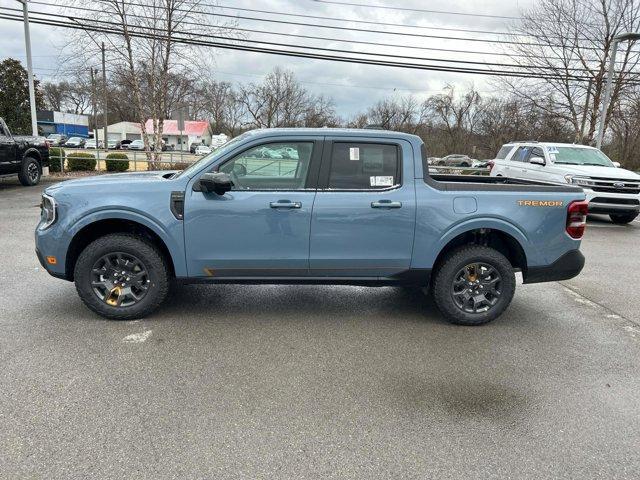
(194, 131)
(122, 131)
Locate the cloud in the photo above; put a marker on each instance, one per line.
(353, 87)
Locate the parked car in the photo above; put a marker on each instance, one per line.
(123, 144)
(358, 208)
(91, 143)
(455, 160)
(265, 152)
(203, 150)
(193, 146)
(75, 142)
(609, 189)
(111, 144)
(56, 139)
(136, 145)
(22, 156)
(288, 152)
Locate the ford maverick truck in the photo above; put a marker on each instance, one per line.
(310, 206)
(22, 156)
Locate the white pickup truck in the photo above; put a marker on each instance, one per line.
(610, 190)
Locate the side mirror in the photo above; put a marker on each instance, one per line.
(616, 164)
(537, 161)
(219, 183)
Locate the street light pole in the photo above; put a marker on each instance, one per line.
(607, 94)
(32, 89)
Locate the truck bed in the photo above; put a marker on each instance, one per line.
(485, 182)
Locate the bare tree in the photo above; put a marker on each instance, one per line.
(625, 126)
(456, 116)
(281, 101)
(148, 51)
(569, 43)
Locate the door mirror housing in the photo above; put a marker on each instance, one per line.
(218, 182)
(537, 161)
(616, 164)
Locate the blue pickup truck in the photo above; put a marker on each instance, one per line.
(310, 206)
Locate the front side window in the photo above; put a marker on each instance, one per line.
(364, 166)
(273, 166)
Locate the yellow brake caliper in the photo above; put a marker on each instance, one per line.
(112, 299)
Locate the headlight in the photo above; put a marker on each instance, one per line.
(47, 212)
(585, 182)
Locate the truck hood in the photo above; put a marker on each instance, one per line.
(603, 172)
(110, 179)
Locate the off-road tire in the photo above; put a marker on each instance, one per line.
(30, 172)
(444, 276)
(144, 250)
(623, 218)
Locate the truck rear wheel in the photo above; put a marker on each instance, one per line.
(473, 285)
(121, 277)
(29, 174)
(623, 218)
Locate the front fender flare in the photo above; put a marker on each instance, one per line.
(175, 248)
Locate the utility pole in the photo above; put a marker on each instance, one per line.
(584, 111)
(104, 100)
(607, 94)
(32, 89)
(93, 103)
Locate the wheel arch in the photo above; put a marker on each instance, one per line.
(32, 153)
(495, 238)
(101, 227)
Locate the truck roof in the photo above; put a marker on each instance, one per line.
(351, 132)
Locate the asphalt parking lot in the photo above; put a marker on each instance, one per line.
(312, 382)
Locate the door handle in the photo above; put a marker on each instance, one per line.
(386, 204)
(285, 204)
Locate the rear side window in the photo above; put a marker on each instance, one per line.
(504, 151)
(521, 155)
(364, 166)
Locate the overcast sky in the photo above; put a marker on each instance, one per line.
(353, 87)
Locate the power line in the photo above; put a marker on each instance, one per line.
(420, 10)
(335, 27)
(265, 42)
(293, 53)
(369, 22)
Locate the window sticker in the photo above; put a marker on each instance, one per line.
(552, 156)
(372, 160)
(354, 153)
(553, 149)
(381, 181)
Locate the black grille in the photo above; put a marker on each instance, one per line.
(614, 185)
(616, 201)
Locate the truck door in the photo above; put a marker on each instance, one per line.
(261, 226)
(7, 152)
(363, 217)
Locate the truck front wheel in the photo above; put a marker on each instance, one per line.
(121, 277)
(623, 217)
(473, 285)
(29, 174)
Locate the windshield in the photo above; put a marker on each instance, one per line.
(579, 156)
(213, 155)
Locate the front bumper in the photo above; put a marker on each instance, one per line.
(46, 267)
(612, 203)
(567, 266)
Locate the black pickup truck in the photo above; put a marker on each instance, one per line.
(22, 156)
